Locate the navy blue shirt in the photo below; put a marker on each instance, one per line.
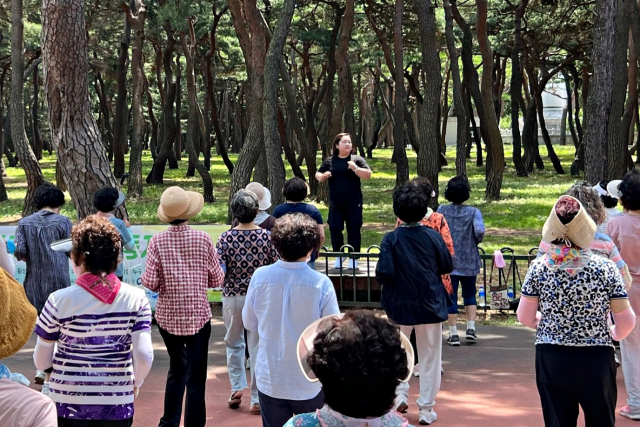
(301, 207)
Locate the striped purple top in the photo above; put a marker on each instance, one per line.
(92, 375)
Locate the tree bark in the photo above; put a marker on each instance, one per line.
(272, 144)
(251, 33)
(177, 144)
(137, 71)
(495, 150)
(38, 144)
(616, 146)
(598, 106)
(168, 96)
(193, 128)
(120, 124)
(458, 103)
(427, 164)
(399, 151)
(516, 89)
(16, 109)
(73, 128)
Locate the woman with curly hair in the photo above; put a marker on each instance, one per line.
(567, 296)
(282, 300)
(625, 233)
(601, 244)
(98, 329)
(360, 359)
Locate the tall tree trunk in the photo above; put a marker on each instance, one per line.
(3, 191)
(495, 150)
(272, 144)
(429, 153)
(458, 103)
(38, 144)
(16, 109)
(137, 71)
(153, 144)
(210, 86)
(572, 128)
(616, 147)
(598, 105)
(516, 89)
(177, 145)
(168, 96)
(250, 29)
(399, 151)
(74, 131)
(193, 128)
(120, 124)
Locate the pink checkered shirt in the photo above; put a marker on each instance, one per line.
(181, 264)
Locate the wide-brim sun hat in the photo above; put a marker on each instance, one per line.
(263, 193)
(177, 203)
(305, 347)
(612, 188)
(17, 316)
(580, 231)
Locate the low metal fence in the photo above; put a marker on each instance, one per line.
(359, 287)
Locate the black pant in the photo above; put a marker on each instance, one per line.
(68, 422)
(351, 213)
(572, 377)
(276, 412)
(187, 367)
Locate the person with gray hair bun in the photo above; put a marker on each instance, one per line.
(243, 249)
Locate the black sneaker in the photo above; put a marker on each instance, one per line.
(471, 334)
(453, 340)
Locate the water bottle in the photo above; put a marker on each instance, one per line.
(510, 292)
(481, 296)
(11, 247)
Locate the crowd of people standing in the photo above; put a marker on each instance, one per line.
(309, 365)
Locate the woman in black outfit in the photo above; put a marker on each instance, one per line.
(344, 172)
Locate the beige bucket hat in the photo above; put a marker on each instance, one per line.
(177, 203)
(580, 231)
(263, 193)
(17, 316)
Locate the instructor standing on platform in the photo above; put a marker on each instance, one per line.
(344, 172)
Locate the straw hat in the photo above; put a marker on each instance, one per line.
(17, 316)
(264, 195)
(176, 203)
(305, 347)
(580, 231)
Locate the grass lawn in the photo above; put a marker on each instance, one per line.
(514, 221)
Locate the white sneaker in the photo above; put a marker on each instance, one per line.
(401, 406)
(45, 389)
(353, 264)
(416, 370)
(40, 377)
(427, 416)
(338, 263)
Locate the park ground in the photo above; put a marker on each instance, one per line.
(487, 384)
(514, 221)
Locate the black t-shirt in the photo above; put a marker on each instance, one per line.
(344, 184)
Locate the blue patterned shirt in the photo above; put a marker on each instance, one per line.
(467, 230)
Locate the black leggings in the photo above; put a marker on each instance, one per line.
(572, 377)
(350, 213)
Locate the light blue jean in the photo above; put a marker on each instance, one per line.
(234, 341)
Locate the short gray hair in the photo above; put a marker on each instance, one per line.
(244, 206)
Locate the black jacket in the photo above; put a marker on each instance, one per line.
(412, 259)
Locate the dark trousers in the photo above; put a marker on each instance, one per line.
(276, 412)
(352, 215)
(572, 377)
(187, 367)
(68, 422)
